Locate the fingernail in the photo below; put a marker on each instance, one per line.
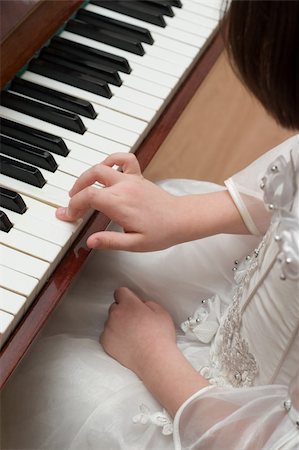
(62, 211)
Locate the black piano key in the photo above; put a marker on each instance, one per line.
(69, 76)
(21, 171)
(12, 200)
(133, 9)
(34, 137)
(90, 68)
(68, 102)
(41, 111)
(176, 3)
(28, 153)
(91, 54)
(164, 9)
(5, 223)
(121, 28)
(106, 36)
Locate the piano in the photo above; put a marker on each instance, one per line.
(97, 77)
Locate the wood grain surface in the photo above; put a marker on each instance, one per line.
(221, 131)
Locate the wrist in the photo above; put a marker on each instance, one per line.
(169, 376)
(201, 215)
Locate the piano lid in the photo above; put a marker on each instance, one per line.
(24, 29)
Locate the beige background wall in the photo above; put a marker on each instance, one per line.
(221, 131)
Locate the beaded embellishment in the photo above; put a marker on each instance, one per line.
(231, 361)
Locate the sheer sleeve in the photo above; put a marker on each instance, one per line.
(247, 186)
(257, 418)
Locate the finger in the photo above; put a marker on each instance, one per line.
(114, 240)
(112, 307)
(127, 161)
(101, 173)
(124, 295)
(62, 214)
(80, 203)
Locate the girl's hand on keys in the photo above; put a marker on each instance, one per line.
(147, 213)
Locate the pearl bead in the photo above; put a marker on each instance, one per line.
(204, 301)
(262, 185)
(283, 277)
(288, 260)
(274, 168)
(198, 320)
(277, 238)
(271, 206)
(287, 405)
(236, 262)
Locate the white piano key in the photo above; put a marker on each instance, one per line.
(40, 228)
(87, 139)
(58, 179)
(85, 154)
(176, 34)
(12, 303)
(170, 45)
(138, 97)
(202, 9)
(17, 282)
(150, 74)
(32, 245)
(120, 119)
(7, 324)
(197, 29)
(118, 104)
(174, 69)
(143, 85)
(215, 5)
(45, 212)
(110, 131)
(48, 194)
(23, 263)
(189, 16)
(70, 165)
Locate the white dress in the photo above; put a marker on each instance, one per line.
(235, 302)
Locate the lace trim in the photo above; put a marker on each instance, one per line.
(160, 419)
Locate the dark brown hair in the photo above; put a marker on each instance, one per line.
(263, 45)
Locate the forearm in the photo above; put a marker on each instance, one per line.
(170, 377)
(203, 215)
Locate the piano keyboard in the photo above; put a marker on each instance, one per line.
(97, 88)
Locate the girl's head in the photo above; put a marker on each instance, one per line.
(263, 46)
